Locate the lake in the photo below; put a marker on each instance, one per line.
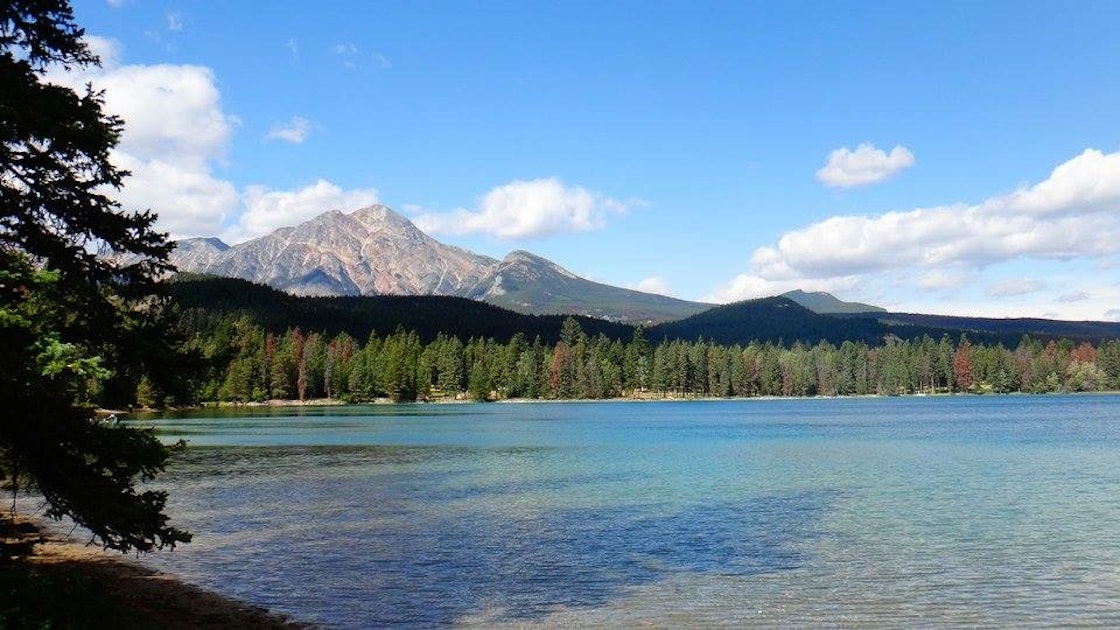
(994, 511)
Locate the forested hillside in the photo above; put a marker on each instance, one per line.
(1003, 329)
(206, 300)
(256, 343)
(777, 319)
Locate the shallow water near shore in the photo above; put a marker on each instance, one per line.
(854, 512)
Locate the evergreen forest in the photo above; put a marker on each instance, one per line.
(259, 346)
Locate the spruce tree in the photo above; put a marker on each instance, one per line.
(74, 317)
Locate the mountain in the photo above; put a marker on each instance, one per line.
(828, 304)
(372, 251)
(773, 319)
(527, 283)
(777, 319)
(782, 319)
(375, 251)
(1007, 330)
(198, 253)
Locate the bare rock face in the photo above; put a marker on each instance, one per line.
(375, 251)
(371, 251)
(196, 253)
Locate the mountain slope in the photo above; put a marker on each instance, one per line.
(375, 251)
(527, 283)
(828, 304)
(207, 296)
(774, 319)
(198, 253)
(768, 319)
(372, 251)
(1008, 331)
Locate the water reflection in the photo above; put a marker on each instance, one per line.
(375, 536)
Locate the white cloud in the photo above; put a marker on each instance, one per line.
(106, 49)
(999, 229)
(865, 165)
(295, 130)
(652, 284)
(174, 131)
(1086, 184)
(116, 3)
(266, 210)
(527, 209)
(189, 200)
(175, 135)
(1112, 315)
(169, 110)
(1071, 215)
(1009, 288)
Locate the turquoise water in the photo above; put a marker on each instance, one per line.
(995, 511)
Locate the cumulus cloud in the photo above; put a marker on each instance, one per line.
(652, 284)
(865, 165)
(1072, 214)
(189, 200)
(527, 209)
(174, 131)
(266, 210)
(1009, 288)
(175, 135)
(294, 131)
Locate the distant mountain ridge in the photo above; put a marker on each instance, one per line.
(828, 304)
(774, 319)
(527, 283)
(375, 251)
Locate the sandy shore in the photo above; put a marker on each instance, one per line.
(140, 597)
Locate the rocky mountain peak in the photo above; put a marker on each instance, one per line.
(196, 252)
(370, 251)
(374, 250)
(379, 217)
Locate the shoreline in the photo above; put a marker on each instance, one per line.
(644, 397)
(119, 588)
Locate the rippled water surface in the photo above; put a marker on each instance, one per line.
(853, 512)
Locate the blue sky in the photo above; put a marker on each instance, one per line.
(948, 157)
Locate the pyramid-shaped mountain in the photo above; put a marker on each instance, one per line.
(375, 251)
